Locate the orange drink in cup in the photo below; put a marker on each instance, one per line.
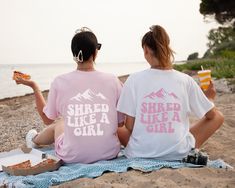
(204, 78)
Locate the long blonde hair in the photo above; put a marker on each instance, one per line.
(158, 41)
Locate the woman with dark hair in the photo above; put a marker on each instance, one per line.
(86, 100)
(157, 103)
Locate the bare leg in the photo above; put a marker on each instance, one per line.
(204, 128)
(50, 133)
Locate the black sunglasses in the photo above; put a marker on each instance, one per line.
(99, 46)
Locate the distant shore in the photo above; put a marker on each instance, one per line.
(121, 78)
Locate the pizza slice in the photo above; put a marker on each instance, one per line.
(44, 163)
(25, 164)
(17, 75)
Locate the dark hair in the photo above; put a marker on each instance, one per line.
(85, 41)
(158, 41)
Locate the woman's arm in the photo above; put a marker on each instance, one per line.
(39, 99)
(124, 132)
(129, 124)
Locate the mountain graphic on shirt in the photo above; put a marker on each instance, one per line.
(162, 94)
(88, 95)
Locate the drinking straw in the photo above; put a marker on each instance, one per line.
(202, 67)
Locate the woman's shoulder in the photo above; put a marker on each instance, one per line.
(182, 75)
(64, 76)
(185, 78)
(106, 75)
(138, 74)
(108, 78)
(67, 74)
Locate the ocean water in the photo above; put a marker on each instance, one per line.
(44, 74)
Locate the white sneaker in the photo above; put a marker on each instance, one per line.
(29, 138)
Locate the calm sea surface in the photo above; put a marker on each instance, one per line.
(44, 74)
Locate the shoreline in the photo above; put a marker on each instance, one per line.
(122, 78)
(222, 86)
(21, 96)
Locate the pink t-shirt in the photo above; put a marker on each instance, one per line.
(87, 102)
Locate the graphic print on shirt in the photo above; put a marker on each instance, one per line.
(87, 113)
(160, 112)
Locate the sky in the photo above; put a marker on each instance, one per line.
(40, 31)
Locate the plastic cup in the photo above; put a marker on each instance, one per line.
(204, 78)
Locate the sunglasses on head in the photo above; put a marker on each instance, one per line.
(84, 29)
(98, 46)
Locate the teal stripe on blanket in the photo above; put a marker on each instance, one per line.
(70, 172)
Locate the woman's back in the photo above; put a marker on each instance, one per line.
(157, 103)
(87, 102)
(160, 104)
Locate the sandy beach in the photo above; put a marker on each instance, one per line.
(18, 115)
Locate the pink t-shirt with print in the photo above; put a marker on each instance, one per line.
(87, 102)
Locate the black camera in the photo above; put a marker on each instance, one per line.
(196, 157)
